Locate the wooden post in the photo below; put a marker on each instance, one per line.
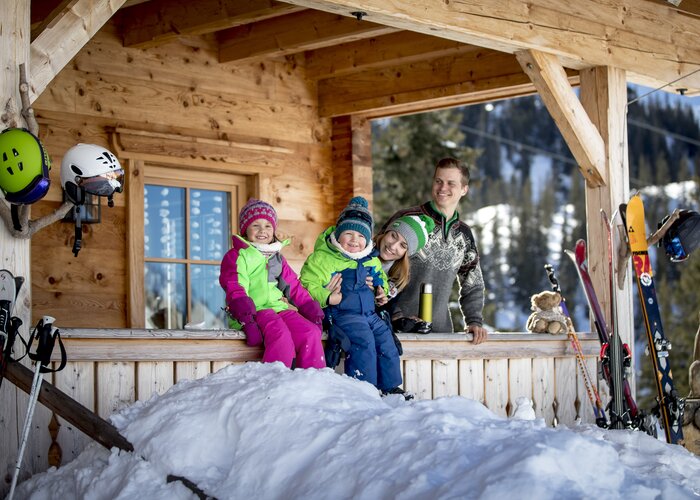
(604, 97)
(352, 160)
(14, 252)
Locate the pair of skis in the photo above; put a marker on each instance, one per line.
(615, 356)
(9, 324)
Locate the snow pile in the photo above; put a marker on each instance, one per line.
(262, 431)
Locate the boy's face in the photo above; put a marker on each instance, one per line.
(352, 241)
(260, 231)
(448, 188)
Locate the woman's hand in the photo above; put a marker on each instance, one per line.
(380, 297)
(334, 286)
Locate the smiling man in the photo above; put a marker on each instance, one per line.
(450, 253)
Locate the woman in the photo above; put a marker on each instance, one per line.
(403, 238)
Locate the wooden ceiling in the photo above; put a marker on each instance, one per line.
(374, 68)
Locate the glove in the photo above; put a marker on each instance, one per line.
(408, 325)
(253, 335)
(242, 309)
(313, 312)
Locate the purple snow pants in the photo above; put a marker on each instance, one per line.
(288, 335)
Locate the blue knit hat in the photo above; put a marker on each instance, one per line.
(355, 217)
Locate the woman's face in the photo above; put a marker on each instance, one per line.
(392, 247)
(352, 241)
(260, 231)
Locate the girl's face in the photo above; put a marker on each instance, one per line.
(260, 231)
(392, 247)
(352, 241)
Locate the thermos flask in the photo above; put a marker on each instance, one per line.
(425, 309)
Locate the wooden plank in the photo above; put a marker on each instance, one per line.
(445, 378)
(653, 42)
(190, 370)
(585, 412)
(449, 80)
(568, 113)
(351, 141)
(153, 378)
(153, 23)
(418, 378)
(76, 381)
(135, 241)
(218, 365)
(519, 382)
(297, 32)
(68, 408)
(115, 386)
(543, 388)
(496, 387)
(471, 379)
(394, 49)
(63, 37)
(565, 390)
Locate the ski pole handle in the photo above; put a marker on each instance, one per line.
(551, 277)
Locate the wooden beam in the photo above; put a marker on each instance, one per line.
(64, 406)
(578, 130)
(156, 22)
(473, 75)
(293, 33)
(376, 52)
(653, 42)
(351, 141)
(64, 35)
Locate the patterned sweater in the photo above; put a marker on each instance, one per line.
(449, 253)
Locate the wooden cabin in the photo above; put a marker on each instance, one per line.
(224, 100)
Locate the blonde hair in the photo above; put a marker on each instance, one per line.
(400, 271)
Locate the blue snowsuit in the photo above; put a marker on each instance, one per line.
(373, 355)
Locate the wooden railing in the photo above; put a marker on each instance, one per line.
(110, 369)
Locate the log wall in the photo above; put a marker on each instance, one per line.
(110, 369)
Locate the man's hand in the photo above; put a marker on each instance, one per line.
(334, 286)
(479, 333)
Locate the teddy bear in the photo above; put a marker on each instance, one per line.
(547, 316)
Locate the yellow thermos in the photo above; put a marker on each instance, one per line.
(425, 309)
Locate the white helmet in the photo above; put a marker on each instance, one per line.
(88, 168)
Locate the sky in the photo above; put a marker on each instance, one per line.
(265, 432)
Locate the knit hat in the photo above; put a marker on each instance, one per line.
(253, 210)
(355, 217)
(415, 229)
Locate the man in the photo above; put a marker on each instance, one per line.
(449, 253)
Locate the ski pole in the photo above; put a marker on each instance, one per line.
(591, 390)
(46, 335)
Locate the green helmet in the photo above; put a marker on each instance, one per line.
(24, 167)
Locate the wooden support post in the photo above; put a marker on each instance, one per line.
(14, 252)
(352, 160)
(604, 97)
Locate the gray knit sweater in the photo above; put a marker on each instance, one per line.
(449, 253)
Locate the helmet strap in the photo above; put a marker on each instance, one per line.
(78, 229)
(14, 211)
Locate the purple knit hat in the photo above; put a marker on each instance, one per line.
(253, 210)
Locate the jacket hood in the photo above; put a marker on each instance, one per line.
(327, 242)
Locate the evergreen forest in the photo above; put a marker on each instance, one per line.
(526, 203)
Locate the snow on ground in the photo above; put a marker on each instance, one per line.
(262, 431)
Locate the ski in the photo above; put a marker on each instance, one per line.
(591, 389)
(9, 324)
(670, 406)
(623, 412)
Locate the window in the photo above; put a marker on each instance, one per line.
(187, 221)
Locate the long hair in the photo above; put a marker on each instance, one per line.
(400, 271)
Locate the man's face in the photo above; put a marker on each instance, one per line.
(448, 188)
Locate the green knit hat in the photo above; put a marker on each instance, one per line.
(415, 228)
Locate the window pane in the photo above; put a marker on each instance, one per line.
(166, 290)
(207, 297)
(164, 222)
(209, 224)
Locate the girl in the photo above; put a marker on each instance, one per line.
(340, 274)
(260, 286)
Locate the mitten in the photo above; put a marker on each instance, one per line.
(242, 309)
(312, 311)
(253, 335)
